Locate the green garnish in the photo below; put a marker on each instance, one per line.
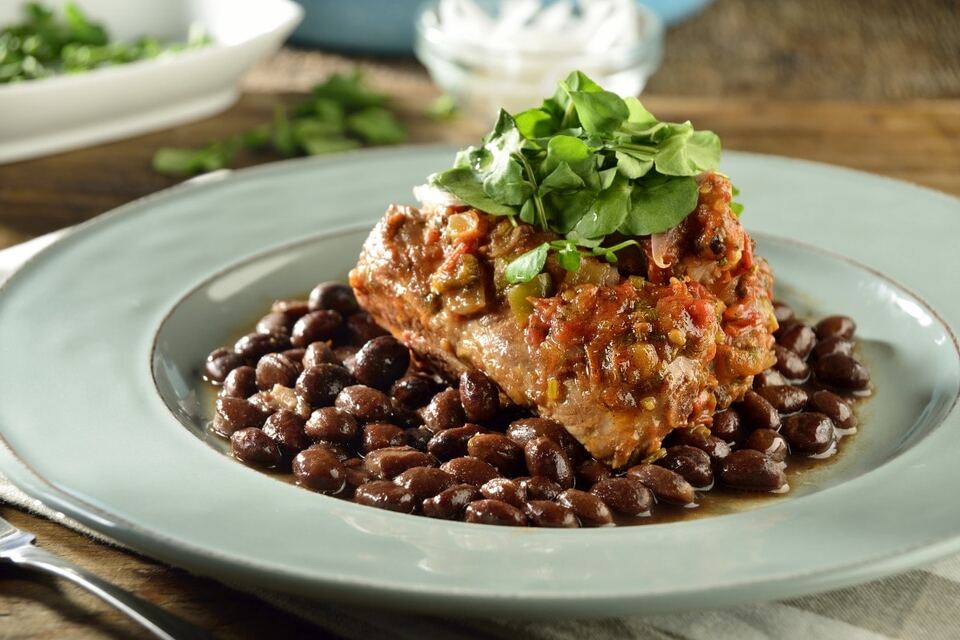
(340, 114)
(45, 44)
(586, 164)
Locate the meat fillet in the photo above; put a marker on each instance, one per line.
(619, 354)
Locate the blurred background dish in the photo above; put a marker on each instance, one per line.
(67, 111)
(346, 26)
(510, 54)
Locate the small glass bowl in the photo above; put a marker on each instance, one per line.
(482, 79)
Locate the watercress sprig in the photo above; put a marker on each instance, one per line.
(586, 164)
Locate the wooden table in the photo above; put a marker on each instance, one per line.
(916, 140)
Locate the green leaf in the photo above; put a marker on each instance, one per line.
(462, 183)
(349, 91)
(320, 145)
(535, 123)
(528, 265)
(562, 178)
(633, 165)
(376, 126)
(183, 162)
(599, 112)
(660, 204)
(444, 108)
(284, 138)
(687, 154)
(637, 114)
(569, 259)
(737, 208)
(607, 212)
(506, 183)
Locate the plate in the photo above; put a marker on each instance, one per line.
(64, 112)
(102, 336)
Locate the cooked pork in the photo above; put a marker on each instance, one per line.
(620, 354)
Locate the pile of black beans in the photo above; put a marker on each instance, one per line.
(319, 390)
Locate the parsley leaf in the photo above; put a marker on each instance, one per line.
(528, 265)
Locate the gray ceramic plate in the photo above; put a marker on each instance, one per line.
(101, 337)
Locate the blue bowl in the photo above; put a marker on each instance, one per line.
(386, 26)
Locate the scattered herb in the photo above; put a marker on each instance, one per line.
(46, 44)
(586, 164)
(340, 114)
(443, 108)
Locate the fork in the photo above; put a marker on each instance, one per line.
(17, 547)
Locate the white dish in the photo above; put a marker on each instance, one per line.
(64, 112)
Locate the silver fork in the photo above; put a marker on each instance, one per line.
(17, 547)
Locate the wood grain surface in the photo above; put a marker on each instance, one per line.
(808, 80)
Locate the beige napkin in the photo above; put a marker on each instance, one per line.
(918, 604)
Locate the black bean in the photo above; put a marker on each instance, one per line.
(318, 353)
(809, 433)
(286, 429)
(452, 443)
(392, 461)
(331, 424)
(297, 355)
(499, 451)
(479, 395)
(666, 485)
(333, 296)
(318, 469)
(449, 504)
(379, 435)
(220, 363)
(384, 494)
(240, 383)
(413, 391)
(831, 346)
(494, 512)
(785, 325)
(254, 346)
(365, 403)
(589, 509)
(253, 446)
(540, 488)
(356, 475)
(691, 463)
(785, 398)
(752, 471)
(444, 411)
(236, 413)
(799, 338)
(276, 323)
(757, 413)
(841, 371)
(836, 327)
(341, 452)
(520, 431)
(700, 438)
(315, 326)
(768, 442)
(361, 329)
(320, 385)
(782, 311)
(832, 405)
(792, 366)
(470, 470)
(418, 437)
(591, 471)
(545, 457)
(403, 417)
(293, 309)
(380, 362)
(424, 482)
(506, 490)
(543, 513)
(624, 495)
(768, 378)
(275, 368)
(726, 426)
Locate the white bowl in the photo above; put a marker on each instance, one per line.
(63, 112)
